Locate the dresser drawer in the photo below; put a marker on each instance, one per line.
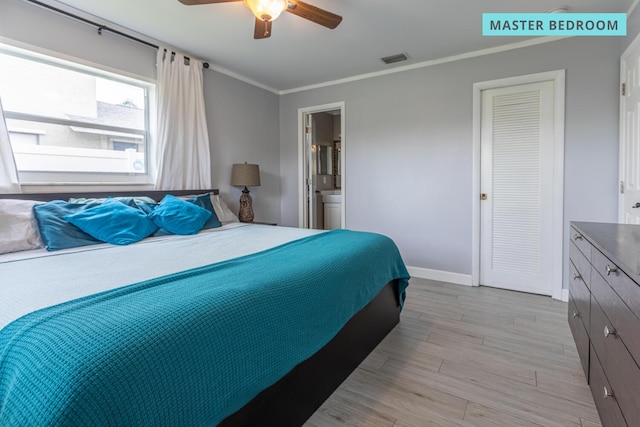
(621, 371)
(608, 409)
(580, 336)
(625, 323)
(581, 264)
(627, 289)
(581, 295)
(583, 244)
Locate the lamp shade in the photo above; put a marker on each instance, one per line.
(244, 174)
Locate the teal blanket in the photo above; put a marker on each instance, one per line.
(193, 347)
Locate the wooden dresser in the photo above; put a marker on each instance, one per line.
(604, 315)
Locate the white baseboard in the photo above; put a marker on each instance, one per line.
(462, 279)
(561, 296)
(441, 276)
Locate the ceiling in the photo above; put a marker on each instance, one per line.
(300, 53)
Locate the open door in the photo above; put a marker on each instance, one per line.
(321, 177)
(311, 192)
(629, 198)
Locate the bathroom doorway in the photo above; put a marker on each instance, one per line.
(321, 167)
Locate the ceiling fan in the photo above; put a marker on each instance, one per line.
(267, 11)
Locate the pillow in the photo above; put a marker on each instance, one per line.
(223, 212)
(147, 208)
(204, 201)
(113, 222)
(18, 227)
(220, 208)
(144, 203)
(178, 216)
(56, 232)
(128, 200)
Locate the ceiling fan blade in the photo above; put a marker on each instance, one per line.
(194, 2)
(314, 14)
(262, 29)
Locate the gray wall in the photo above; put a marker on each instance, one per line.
(242, 119)
(243, 127)
(37, 26)
(633, 28)
(408, 146)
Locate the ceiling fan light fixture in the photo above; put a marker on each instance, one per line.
(267, 10)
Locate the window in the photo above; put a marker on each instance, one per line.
(67, 119)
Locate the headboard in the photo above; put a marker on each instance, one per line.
(156, 195)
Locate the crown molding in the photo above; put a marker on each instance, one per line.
(431, 63)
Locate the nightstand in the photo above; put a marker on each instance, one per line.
(263, 223)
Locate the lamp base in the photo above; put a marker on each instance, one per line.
(246, 209)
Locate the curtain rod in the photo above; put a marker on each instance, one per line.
(102, 28)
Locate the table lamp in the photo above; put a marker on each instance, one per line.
(247, 175)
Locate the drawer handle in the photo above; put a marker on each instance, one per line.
(607, 393)
(576, 276)
(611, 270)
(577, 237)
(575, 314)
(608, 332)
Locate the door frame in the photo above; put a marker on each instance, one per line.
(558, 77)
(303, 156)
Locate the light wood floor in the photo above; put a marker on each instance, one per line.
(465, 356)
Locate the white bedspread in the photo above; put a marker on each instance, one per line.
(40, 279)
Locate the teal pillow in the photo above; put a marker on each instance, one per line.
(178, 216)
(113, 222)
(204, 201)
(57, 233)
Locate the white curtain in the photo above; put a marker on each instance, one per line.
(182, 151)
(9, 182)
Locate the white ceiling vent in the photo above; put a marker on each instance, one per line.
(395, 58)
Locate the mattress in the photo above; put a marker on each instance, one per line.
(27, 286)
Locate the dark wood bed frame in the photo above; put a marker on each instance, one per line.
(154, 194)
(296, 396)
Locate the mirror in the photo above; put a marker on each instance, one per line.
(325, 160)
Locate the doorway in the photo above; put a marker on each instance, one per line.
(321, 147)
(518, 183)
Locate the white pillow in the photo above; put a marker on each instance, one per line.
(18, 226)
(223, 212)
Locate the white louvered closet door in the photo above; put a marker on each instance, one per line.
(517, 143)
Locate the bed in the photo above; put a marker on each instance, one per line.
(274, 320)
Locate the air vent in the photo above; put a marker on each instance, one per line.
(395, 58)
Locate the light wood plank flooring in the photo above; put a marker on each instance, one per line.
(465, 356)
